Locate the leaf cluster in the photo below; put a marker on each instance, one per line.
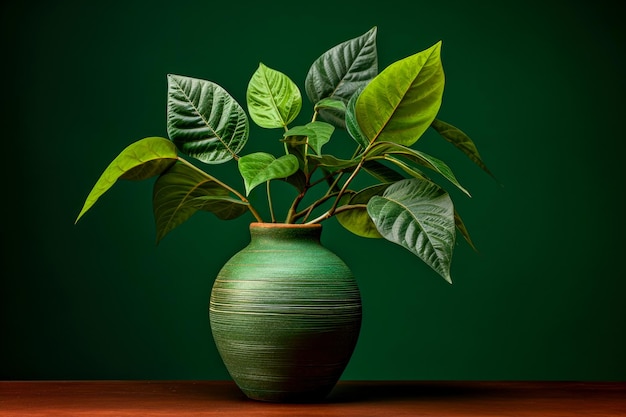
(385, 113)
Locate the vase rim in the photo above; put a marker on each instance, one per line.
(285, 225)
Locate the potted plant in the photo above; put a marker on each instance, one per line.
(285, 312)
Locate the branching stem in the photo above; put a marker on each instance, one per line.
(338, 210)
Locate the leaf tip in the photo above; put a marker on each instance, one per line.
(435, 48)
(82, 212)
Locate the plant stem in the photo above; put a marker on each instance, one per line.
(345, 185)
(326, 196)
(232, 190)
(338, 210)
(305, 213)
(291, 214)
(333, 209)
(269, 201)
(285, 143)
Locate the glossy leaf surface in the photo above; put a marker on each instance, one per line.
(181, 191)
(204, 121)
(342, 70)
(140, 160)
(403, 100)
(273, 99)
(260, 167)
(419, 216)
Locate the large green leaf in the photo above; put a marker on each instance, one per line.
(340, 71)
(317, 134)
(260, 167)
(204, 121)
(403, 100)
(273, 99)
(140, 160)
(459, 139)
(419, 216)
(181, 191)
(357, 220)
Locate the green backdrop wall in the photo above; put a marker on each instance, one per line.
(539, 86)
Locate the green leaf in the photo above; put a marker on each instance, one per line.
(317, 133)
(273, 99)
(403, 100)
(409, 169)
(332, 163)
(296, 145)
(181, 191)
(225, 208)
(464, 232)
(260, 167)
(340, 71)
(357, 220)
(437, 166)
(459, 139)
(351, 123)
(330, 103)
(419, 216)
(140, 160)
(321, 133)
(382, 172)
(298, 180)
(204, 121)
(388, 149)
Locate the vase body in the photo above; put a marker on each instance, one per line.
(285, 314)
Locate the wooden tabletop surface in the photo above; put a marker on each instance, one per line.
(362, 399)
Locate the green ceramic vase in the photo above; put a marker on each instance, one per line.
(285, 314)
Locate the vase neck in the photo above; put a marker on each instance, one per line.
(283, 231)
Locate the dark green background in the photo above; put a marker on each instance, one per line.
(538, 85)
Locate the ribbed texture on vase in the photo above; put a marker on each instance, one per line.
(285, 315)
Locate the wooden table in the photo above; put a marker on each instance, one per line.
(362, 399)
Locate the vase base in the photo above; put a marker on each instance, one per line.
(314, 396)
